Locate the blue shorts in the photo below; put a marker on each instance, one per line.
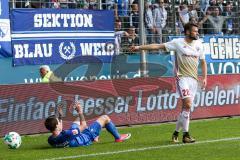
(93, 130)
(87, 136)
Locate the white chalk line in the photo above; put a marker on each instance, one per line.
(144, 149)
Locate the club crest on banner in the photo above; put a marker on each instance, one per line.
(67, 52)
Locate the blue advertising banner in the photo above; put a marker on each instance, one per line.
(222, 48)
(53, 36)
(5, 32)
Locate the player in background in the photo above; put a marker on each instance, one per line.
(79, 133)
(188, 51)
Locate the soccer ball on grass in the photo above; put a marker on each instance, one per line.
(13, 140)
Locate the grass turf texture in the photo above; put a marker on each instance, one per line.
(144, 136)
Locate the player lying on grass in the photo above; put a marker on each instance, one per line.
(79, 133)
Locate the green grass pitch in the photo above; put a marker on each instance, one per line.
(217, 139)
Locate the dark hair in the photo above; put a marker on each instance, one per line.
(135, 2)
(51, 123)
(118, 20)
(131, 27)
(188, 27)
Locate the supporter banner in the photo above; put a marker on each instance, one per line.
(5, 32)
(53, 36)
(23, 108)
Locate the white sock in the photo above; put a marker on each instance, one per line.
(185, 120)
(179, 122)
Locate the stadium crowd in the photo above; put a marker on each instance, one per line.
(161, 17)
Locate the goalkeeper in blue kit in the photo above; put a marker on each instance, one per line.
(79, 134)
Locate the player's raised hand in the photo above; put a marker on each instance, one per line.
(133, 48)
(59, 112)
(78, 108)
(60, 106)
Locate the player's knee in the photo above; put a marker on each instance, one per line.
(187, 103)
(106, 118)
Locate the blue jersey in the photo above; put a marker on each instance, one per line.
(67, 139)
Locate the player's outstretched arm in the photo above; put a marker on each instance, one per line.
(81, 118)
(147, 47)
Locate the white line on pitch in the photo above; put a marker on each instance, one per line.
(144, 149)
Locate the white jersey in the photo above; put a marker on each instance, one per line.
(187, 56)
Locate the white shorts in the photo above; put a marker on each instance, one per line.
(186, 87)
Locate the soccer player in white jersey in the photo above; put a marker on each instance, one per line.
(188, 51)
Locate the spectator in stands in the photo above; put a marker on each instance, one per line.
(230, 24)
(148, 22)
(27, 4)
(213, 4)
(192, 9)
(80, 3)
(32, 4)
(66, 3)
(47, 75)
(108, 4)
(220, 5)
(55, 4)
(134, 16)
(119, 34)
(203, 5)
(91, 4)
(214, 24)
(131, 40)
(160, 20)
(183, 16)
(121, 9)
